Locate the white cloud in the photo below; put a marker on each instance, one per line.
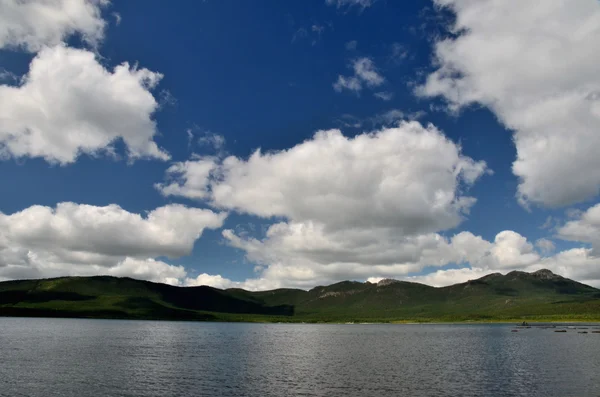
(384, 95)
(31, 25)
(301, 256)
(291, 260)
(216, 281)
(511, 251)
(365, 73)
(300, 242)
(196, 172)
(548, 223)
(351, 45)
(306, 254)
(577, 263)
(117, 17)
(352, 206)
(69, 104)
(585, 228)
(441, 278)
(215, 141)
(148, 269)
(362, 4)
(408, 177)
(349, 121)
(170, 230)
(534, 64)
(364, 68)
(78, 239)
(347, 83)
(545, 246)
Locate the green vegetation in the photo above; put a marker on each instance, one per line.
(517, 296)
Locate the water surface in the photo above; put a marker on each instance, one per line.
(65, 357)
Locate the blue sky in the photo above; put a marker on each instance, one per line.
(435, 88)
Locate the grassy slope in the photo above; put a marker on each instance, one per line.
(516, 296)
(496, 297)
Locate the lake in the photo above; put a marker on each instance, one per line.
(64, 357)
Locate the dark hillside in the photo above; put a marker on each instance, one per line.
(541, 295)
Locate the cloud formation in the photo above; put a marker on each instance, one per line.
(410, 177)
(79, 239)
(69, 104)
(534, 64)
(352, 206)
(293, 262)
(365, 74)
(31, 25)
(368, 207)
(585, 228)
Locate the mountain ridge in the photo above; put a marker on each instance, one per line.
(515, 295)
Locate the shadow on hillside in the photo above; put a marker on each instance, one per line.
(12, 297)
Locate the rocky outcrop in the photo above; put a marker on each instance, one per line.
(545, 274)
(387, 281)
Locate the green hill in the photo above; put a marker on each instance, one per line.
(541, 296)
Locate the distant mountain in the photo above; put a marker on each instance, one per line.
(541, 295)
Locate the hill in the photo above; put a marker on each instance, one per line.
(541, 295)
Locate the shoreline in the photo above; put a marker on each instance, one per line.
(514, 322)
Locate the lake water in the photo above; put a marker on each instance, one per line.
(63, 357)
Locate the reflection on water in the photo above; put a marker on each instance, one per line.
(60, 357)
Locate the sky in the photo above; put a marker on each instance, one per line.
(293, 144)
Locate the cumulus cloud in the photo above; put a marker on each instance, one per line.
(216, 281)
(577, 263)
(284, 262)
(297, 255)
(441, 278)
(534, 64)
(352, 206)
(189, 178)
(365, 74)
(148, 269)
(79, 239)
(585, 228)
(31, 25)
(304, 255)
(511, 251)
(69, 104)
(410, 177)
